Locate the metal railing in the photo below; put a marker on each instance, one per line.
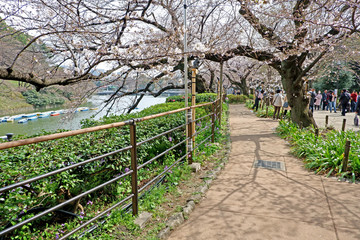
(133, 172)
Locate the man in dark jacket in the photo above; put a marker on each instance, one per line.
(344, 101)
(324, 100)
(312, 99)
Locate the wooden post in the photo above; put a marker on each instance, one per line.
(213, 123)
(343, 125)
(193, 103)
(326, 121)
(267, 111)
(346, 156)
(316, 132)
(134, 183)
(221, 90)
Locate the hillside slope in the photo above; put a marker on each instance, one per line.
(16, 96)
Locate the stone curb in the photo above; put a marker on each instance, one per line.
(178, 218)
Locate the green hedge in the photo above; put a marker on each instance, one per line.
(202, 97)
(237, 98)
(25, 162)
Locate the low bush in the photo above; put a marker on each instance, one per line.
(237, 98)
(324, 153)
(28, 161)
(202, 97)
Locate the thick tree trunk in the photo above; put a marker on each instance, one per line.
(295, 93)
(243, 86)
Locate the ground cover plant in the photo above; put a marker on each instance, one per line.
(28, 161)
(324, 153)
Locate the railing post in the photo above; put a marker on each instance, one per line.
(346, 156)
(343, 125)
(134, 183)
(193, 103)
(213, 122)
(190, 148)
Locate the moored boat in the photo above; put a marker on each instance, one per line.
(55, 114)
(32, 118)
(24, 120)
(44, 115)
(29, 115)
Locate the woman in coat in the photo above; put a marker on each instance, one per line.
(278, 103)
(318, 99)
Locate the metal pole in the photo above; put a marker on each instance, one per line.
(213, 122)
(134, 183)
(186, 74)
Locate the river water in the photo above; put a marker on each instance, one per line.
(71, 121)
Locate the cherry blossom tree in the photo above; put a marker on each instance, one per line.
(128, 38)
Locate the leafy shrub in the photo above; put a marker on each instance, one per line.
(28, 161)
(325, 153)
(237, 98)
(202, 97)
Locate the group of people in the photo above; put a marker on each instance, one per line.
(327, 100)
(278, 101)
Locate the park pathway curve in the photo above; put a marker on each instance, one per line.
(248, 202)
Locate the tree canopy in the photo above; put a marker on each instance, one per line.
(128, 38)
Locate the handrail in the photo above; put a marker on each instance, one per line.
(91, 129)
(22, 183)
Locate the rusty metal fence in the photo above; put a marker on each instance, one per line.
(211, 118)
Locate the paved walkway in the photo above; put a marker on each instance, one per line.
(335, 120)
(248, 203)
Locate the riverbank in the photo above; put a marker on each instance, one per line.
(72, 120)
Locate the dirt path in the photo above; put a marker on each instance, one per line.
(247, 202)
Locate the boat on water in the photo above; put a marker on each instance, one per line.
(95, 108)
(55, 114)
(32, 118)
(24, 120)
(82, 109)
(29, 115)
(16, 117)
(44, 115)
(4, 119)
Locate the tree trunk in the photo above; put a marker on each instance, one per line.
(295, 93)
(243, 86)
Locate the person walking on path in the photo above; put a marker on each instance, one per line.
(353, 100)
(325, 100)
(318, 100)
(258, 97)
(278, 103)
(344, 101)
(312, 99)
(332, 101)
(286, 105)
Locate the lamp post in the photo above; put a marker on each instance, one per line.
(187, 112)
